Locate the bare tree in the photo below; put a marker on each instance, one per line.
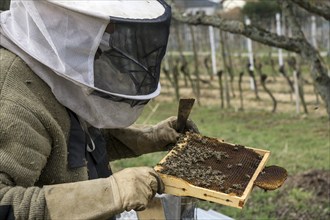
(263, 78)
(207, 64)
(225, 66)
(321, 8)
(282, 70)
(296, 67)
(297, 43)
(185, 70)
(230, 67)
(251, 74)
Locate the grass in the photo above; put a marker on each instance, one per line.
(297, 143)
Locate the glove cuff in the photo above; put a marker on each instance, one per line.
(92, 199)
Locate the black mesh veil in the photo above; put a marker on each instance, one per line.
(134, 53)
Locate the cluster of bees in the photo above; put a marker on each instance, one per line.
(186, 165)
(198, 159)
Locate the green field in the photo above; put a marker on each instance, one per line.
(298, 143)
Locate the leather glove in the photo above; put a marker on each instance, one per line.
(164, 133)
(131, 188)
(190, 125)
(137, 186)
(170, 123)
(143, 139)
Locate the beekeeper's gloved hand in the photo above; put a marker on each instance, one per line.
(190, 125)
(164, 133)
(142, 139)
(169, 127)
(131, 188)
(137, 186)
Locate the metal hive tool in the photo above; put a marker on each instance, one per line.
(211, 169)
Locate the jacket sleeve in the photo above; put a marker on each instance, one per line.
(139, 139)
(24, 148)
(128, 142)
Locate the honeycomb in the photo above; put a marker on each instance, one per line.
(209, 163)
(271, 178)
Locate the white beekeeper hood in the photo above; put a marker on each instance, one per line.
(110, 89)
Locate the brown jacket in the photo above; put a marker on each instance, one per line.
(34, 131)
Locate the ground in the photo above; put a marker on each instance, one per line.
(305, 195)
(314, 184)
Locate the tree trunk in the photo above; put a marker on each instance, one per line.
(301, 84)
(241, 90)
(263, 78)
(220, 73)
(296, 68)
(301, 91)
(288, 80)
(272, 65)
(207, 65)
(251, 74)
(184, 69)
(230, 65)
(319, 71)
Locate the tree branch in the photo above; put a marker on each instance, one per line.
(238, 27)
(307, 50)
(320, 72)
(297, 43)
(319, 7)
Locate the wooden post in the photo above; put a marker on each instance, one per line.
(279, 32)
(213, 53)
(314, 42)
(250, 52)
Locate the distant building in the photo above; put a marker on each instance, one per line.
(193, 6)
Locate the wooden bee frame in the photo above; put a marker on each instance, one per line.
(179, 187)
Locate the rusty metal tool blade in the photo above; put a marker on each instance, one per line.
(185, 106)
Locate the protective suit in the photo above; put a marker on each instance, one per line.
(71, 85)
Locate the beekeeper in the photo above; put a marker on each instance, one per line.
(74, 76)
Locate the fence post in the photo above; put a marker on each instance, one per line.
(279, 32)
(250, 52)
(213, 54)
(314, 42)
